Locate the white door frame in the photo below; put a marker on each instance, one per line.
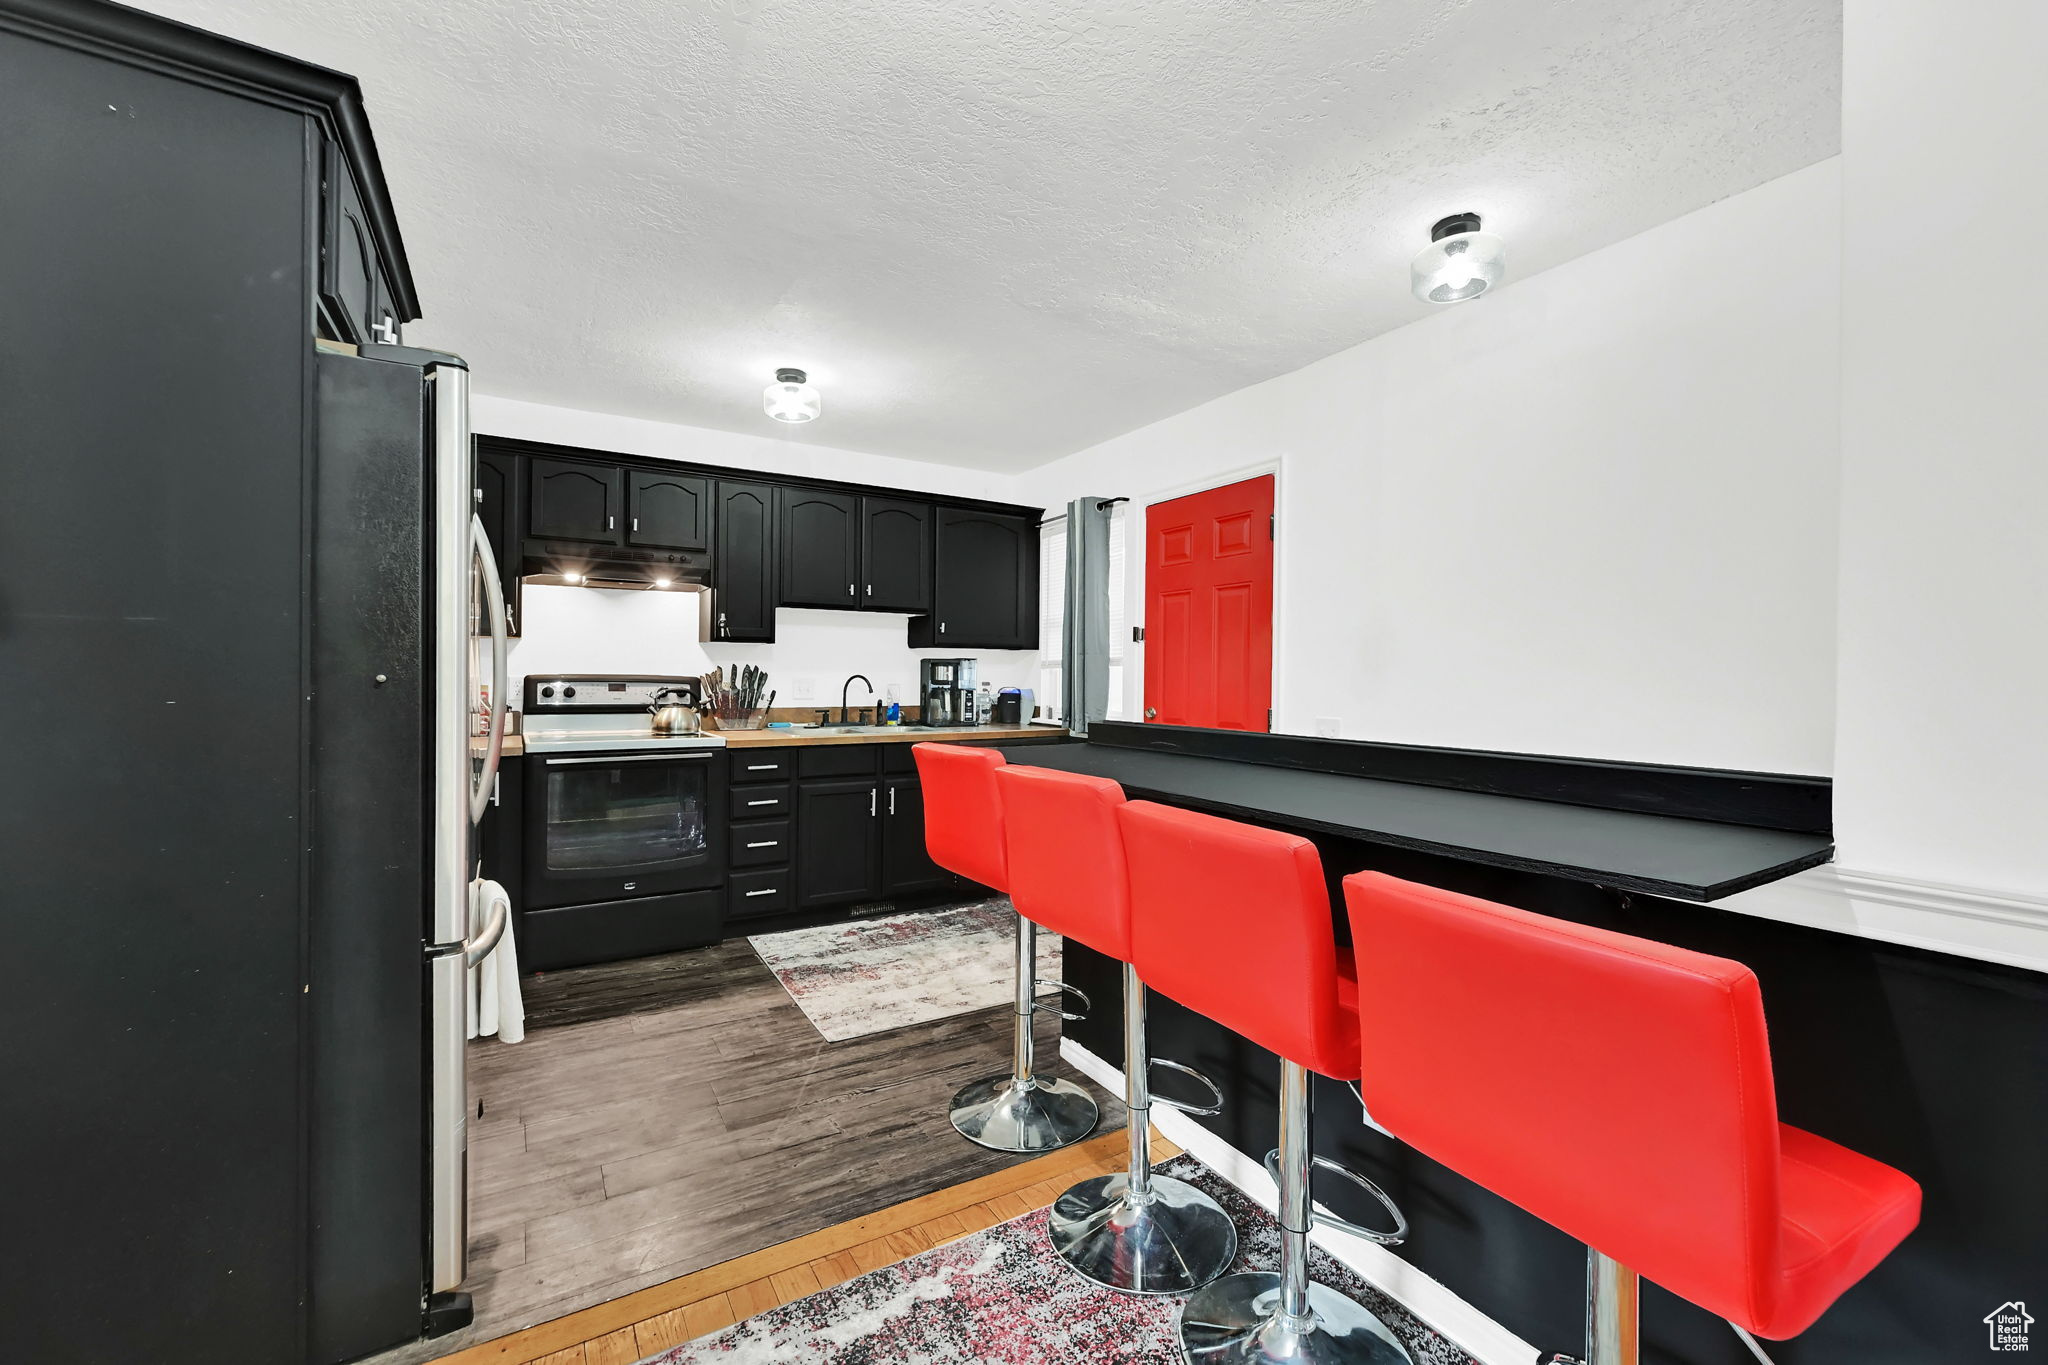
(1134, 574)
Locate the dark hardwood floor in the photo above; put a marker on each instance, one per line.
(620, 1152)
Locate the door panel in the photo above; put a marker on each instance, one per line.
(1209, 608)
(668, 511)
(835, 841)
(906, 866)
(743, 565)
(985, 592)
(820, 548)
(896, 555)
(574, 501)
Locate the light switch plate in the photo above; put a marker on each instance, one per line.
(804, 689)
(1329, 727)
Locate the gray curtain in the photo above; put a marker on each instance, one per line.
(1084, 652)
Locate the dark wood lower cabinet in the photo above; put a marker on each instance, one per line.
(836, 840)
(906, 867)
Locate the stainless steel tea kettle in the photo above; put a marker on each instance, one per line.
(675, 712)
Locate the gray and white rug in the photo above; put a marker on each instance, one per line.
(874, 975)
(1002, 1297)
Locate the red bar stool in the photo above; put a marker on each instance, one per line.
(1138, 1232)
(963, 832)
(1235, 921)
(1620, 1090)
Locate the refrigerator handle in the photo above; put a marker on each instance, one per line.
(479, 948)
(494, 592)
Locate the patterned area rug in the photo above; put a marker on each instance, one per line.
(1001, 1297)
(854, 979)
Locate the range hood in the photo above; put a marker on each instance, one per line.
(613, 566)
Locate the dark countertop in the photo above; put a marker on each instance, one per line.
(1664, 855)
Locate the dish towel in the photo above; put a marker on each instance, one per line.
(495, 1005)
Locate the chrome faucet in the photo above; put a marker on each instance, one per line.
(861, 678)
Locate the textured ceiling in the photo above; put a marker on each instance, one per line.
(1000, 232)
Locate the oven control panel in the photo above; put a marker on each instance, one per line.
(599, 693)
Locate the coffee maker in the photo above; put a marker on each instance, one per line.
(946, 691)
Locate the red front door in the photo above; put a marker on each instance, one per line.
(1209, 608)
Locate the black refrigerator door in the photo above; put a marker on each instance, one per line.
(370, 877)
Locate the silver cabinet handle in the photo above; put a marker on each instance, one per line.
(871, 590)
(767, 892)
(771, 801)
(494, 787)
(892, 800)
(871, 801)
(849, 589)
(766, 843)
(762, 767)
(942, 627)
(609, 522)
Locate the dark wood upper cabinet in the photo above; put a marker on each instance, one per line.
(836, 855)
(895, 555)
(743, 563)
(570, 500)
(668, 511)
(497, 506)
(355, 300)
(985, 588)
(820, 558)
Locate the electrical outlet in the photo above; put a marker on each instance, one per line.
(1329, 727)
(804, 689)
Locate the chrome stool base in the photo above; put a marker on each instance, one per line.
(1034, 1115)
(1173, 1242)
(1237, 1321)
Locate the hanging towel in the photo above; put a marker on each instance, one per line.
(495, 1005)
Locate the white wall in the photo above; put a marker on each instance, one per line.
(1943, 729)
(1592, 514)
(596, 630)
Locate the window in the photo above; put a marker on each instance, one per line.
(1119, 625)
(1052, 614)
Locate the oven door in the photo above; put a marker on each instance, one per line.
(604, 827)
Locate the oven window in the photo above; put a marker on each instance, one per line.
(607, 818)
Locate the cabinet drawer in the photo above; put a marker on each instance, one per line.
(759, 843)
(761, 765)
(838, 760)
(758, 893)
(757, 803)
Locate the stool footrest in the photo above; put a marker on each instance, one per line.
(1064, 989)
(1398, 1235)
(1215, 1106)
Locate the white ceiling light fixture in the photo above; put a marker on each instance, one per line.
(791, 399)
(1460, 262)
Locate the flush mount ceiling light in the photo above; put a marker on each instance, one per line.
(1460, 262)
(790, 399)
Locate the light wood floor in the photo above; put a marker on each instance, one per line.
(654, 1319)
(620, 1153)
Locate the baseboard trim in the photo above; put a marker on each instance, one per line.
(1474, 1332)
(1974, 922)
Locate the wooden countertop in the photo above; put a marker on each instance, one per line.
(902, 734)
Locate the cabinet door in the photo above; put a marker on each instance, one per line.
(895, 555)
(497, 506)
(906, 867)
(820, 548)
(570, 500)
(985, 592)
(743, 563)
(836, 823)
(668, 511)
